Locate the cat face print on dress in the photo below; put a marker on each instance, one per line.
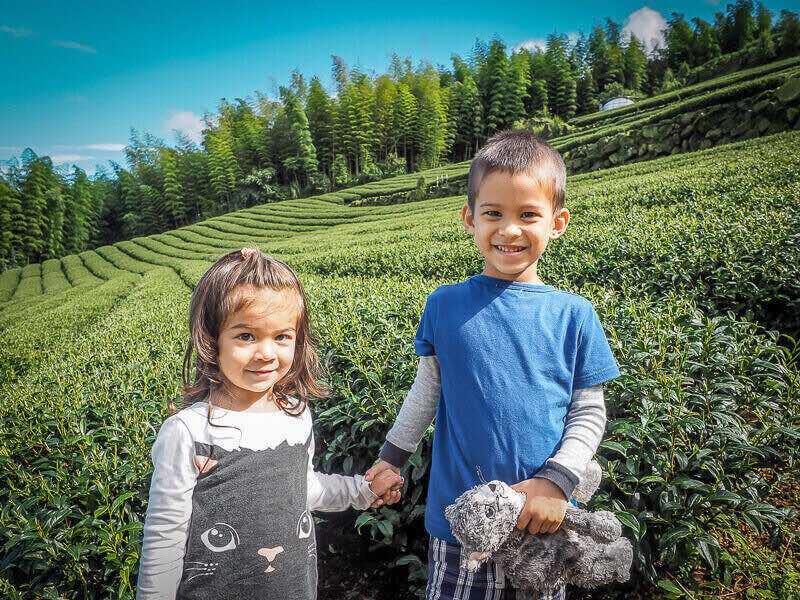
(250, 534)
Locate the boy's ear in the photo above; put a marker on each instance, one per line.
(560, 222)
(467, 218)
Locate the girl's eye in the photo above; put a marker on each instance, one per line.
(283, 336)
(242, 337)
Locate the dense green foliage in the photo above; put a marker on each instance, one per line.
(691, 261)
(309, 141)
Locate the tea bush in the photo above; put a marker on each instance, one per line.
(691, 262)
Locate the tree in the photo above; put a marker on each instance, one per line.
(173, 194)
(789, 29)
(461, 69)
(600, 58)
(586, 101)
(340, 73)
(385, 94)
(54, 223)
(537, 91)
(669, 82)
(432, 120)
(301, 162)
(497, 89)
(355, 124)
(77, 213)
(613, 32)
(34, 208)
(321, 114)
(742, 24)
(680, 41)
(10, 211)
(706, 44)
(634, 65)
(763, 21)
(466, 111)
(561, 90)
(223, 169)
(404, 123)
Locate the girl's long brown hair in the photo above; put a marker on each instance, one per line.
(213, 300)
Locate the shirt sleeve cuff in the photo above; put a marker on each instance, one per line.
(559, 475)
(394, 455)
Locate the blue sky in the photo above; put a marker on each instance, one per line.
(75, 78)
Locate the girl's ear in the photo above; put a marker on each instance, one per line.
(560, 222)
(467, 218)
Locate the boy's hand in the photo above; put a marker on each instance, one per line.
(544, 508)
(375, 472)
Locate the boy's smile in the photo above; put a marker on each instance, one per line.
(512, 224)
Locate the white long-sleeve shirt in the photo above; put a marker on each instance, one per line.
(239, 517)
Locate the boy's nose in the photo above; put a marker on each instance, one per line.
(511, 230)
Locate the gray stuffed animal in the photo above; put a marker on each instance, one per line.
(587, 550)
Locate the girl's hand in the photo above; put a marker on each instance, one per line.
(545, 505)
(386, 485)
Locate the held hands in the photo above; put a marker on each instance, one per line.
(385, 482)
(544, 508)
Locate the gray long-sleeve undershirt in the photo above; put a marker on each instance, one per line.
(583, 428)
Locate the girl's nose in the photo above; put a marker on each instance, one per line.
(265, 351)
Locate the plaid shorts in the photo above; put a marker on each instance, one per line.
(448, 581)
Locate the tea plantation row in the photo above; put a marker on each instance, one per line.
(691, 261)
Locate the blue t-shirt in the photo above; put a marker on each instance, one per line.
(510, 355)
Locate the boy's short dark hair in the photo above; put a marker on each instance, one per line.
(519, 151)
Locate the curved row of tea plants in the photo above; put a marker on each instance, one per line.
(690, 260)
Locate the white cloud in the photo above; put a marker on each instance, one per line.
(68, 158)
(104, 147)
(187, 122)
(648, 26)
(15, 31)
(74, 46)
(101, 147)
(532, 44)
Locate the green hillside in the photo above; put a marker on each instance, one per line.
(692, 261)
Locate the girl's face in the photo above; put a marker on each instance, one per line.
(256, 343)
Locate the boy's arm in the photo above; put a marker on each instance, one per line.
(169, 509)
(583, 432)
(416, 414)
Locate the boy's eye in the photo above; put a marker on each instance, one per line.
(492, 213)
(529, 215)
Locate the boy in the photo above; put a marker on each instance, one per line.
(512, 368)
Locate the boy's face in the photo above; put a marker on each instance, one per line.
(512, 223)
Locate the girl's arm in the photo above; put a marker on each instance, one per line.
(335, 493)
(583, 432)
(416, 414)
(168, 511)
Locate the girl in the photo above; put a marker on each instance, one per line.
(233, 486)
